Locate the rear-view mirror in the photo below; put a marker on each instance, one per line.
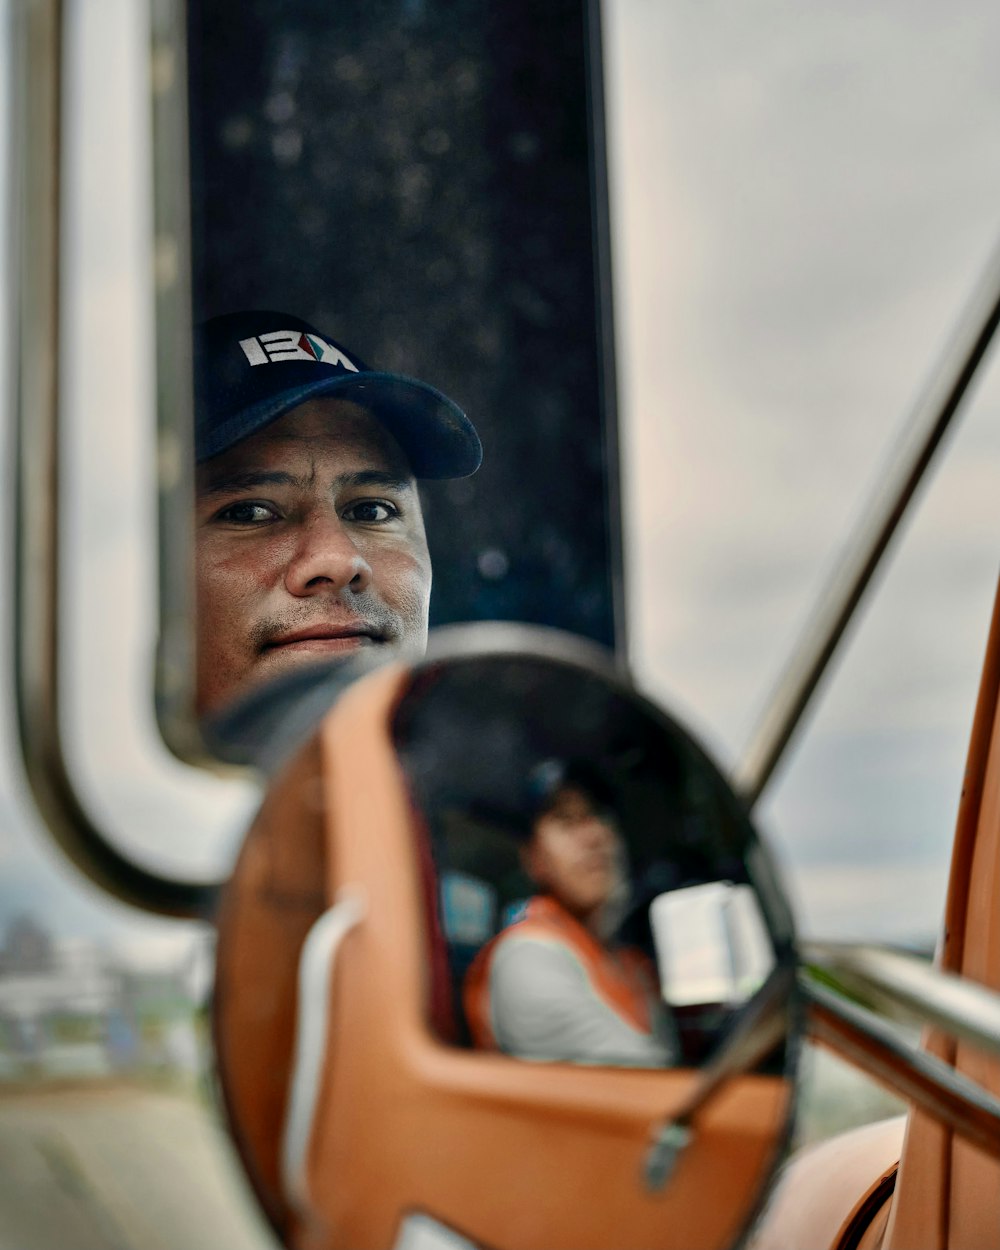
(509, 806)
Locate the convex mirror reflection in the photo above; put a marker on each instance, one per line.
(498, 917)
(593, 891)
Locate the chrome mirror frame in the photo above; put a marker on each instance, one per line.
(34, 248)
(175, 655)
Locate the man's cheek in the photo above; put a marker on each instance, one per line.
(225, 657)
(224, 611)
(406, 587)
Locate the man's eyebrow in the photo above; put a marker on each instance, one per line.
(251, 479)
(375, 477)
(247, 479)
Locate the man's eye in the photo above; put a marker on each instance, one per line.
(370, 512)
(247, 513)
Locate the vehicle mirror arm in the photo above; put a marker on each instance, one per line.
(908, 989)
(761, 1025)
(36, 72)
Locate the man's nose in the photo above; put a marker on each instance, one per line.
(326, 559)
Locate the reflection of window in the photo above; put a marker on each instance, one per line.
(711, 943)
(513, 912)
(468, 909)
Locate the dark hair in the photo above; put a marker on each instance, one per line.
(551, 777)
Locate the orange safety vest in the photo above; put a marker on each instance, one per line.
(623, 977)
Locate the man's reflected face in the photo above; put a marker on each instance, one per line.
(310, 544)
(575, 852)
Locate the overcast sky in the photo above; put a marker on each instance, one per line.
(803, 198)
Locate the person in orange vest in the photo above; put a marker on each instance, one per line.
(555, 985)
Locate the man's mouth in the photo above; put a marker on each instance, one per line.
(323, 640)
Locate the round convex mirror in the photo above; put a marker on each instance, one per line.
(502, 963)
(600, 894)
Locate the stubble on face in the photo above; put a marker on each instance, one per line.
(310, 545)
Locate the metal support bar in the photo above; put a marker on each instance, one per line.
(762, 1024)
(864, 1040)
(906, 468)
(911, 990)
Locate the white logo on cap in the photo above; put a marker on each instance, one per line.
(293, 345)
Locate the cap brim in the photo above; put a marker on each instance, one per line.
(439, 439)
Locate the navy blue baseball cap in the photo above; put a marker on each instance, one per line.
(252, 367)
(548, 779)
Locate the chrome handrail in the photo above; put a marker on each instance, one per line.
(909, 989)
(36, 103)
(915, 1074)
